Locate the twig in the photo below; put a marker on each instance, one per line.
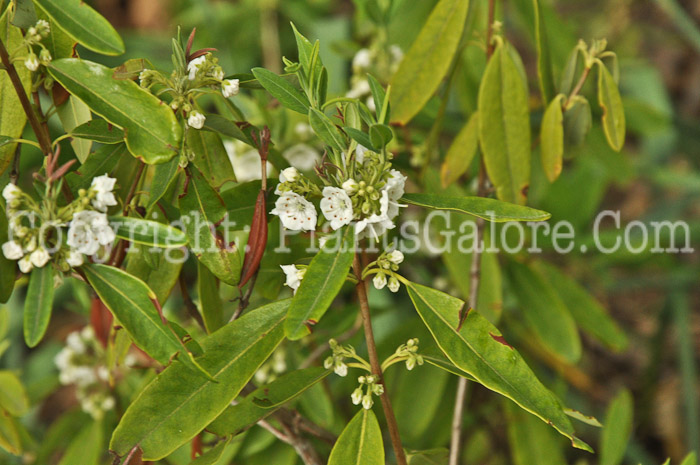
(374, 362)
(42, 136)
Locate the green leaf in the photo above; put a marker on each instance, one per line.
(72, 114)
(205, 209)
(226, 127)
(438, 456)
(305, 49)
(12, 116)
(613, 112)
(103, 161)
(545, 313)
(552, 138)
(326, 130)
(38, 304)
(8, 268)
(588, 313)
(617, 429)
(152, 132)
(147, 232)
(323, 279)
(212, 456)
(132, 303)
(482, 207)
(100, 131)
(479, 349)
(428, 60)
(209, 300)
(9, 434)
(504, 127)
(86, 448)
(163, 177)
(690, 459)
(360, 442)
(159, 269)
(210, 157)
(577, 120)
(85, 25)
(379, 96)
(25, 15)
(282, 90)
(13, 397)
(360, 137)
(177, 405)
(531, 441)
(380, 135)
(544, 59)
(462, 151)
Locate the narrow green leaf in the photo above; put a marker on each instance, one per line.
(8, 268)
(282, 90)
(85, 25)
(305, 49)
(360, 137)
(210, 157)
(159, 269)
(360, 442)
(482, 207)
(72, 114)
(690, 459)
(86, 448)
(479, 349)
(504, 127)
(587, 419)
(552, 138)
(163, 177)
(438, 456)
(100, 131)
(545, 313)
(177, 405)
(100, 162)
(380, 135)
(147, 232)
(212, 456)
(152, 131)
(25, 15)
(38, 304)
(13, 397)
(132, 303)
(577, 121)
(617, 429)
(226, 127)
(588, 313)
(209, 300)
(613, 112)
(12, 116)
(204, 210)
(531, 441)
(544, 59)
(462, 151)
(326, 130)
(378, 95)
(428, 59)
(323, 279)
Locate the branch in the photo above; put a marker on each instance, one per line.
(41, 135)
(393, 427)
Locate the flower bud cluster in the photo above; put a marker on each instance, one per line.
(340, 353)
(369, 385)
(386, 267)
(35, 34)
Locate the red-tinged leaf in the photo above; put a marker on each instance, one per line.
(200, 53)
(257, 240)
(101, 320)
(190, 40)
(62, 170)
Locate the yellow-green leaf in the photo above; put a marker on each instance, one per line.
(544, 59)
(38, 304)
(552, 138)
(482, 207)
(504, 127)
(428, 59)
(617, 429)
(461, 152)
(13, 397)
(613, 112)
(72, 114)
(360, 442)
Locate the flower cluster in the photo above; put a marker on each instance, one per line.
(373, 386)
(34, 36)
(386, 267)
(406, 352)
(337, 360)
(36, 228)
(366, 192)
(82, 363)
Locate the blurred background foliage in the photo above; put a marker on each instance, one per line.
(646, 380)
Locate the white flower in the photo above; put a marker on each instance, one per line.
(294, 276)
(367, 401)
(362, 59)
(103, 186)
(394, 284)
(230, 87)
(356, 396)
(25, 264)
(74, 258)
(350, 186)
(32, 62)
(40, 257)
(196, 119)
(44, 56)
(88, 230)
(336, 206)
(379, 280)
(12, 250)
(295, 212)
(359, 89)
(394, 188)
(340, 368)
(75, 343)
(290, 174)
(193, 67)
(108, 403)
(63, 359)
(360, 153)
(302, 156)
(11, 192)
(103, 373)
(395, 257)
(42, 27)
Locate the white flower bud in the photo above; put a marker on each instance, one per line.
(44, 56)
(395, 257)
(290, 174)
(25, 264)
(367, 401)
(11, 192)
(378, 389)
(393, 284)
(40, 257)
(12, 250)
(410, 363)
(74, 258)
(379, 280)
(350, 186)
(32, 62)
(230, 87)
(356, 396)
(328, 363)
(196, 119)
(340, 368)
